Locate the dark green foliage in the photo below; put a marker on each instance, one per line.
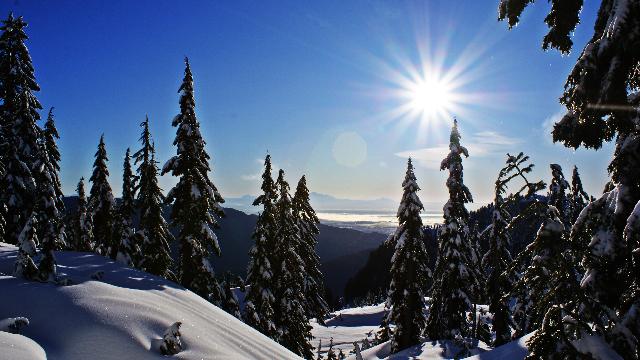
(82, 223)
(558, 193)
(196, 201)
(260, 300)
(153, 235)
(497, 258)
(230, 304)
(102, 204)
(49, 204)
(456, 280)
(307, 223)
(128, 249)
(409, 271)
(578, 198)
(292, 324)
(20, 133)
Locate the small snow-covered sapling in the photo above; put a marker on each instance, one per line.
(17, 324)
(171, 343)
(98, 275)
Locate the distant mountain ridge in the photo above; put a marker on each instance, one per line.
(235, 239)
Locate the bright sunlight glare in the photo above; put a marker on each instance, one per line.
(429, 97)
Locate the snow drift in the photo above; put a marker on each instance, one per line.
(122, 316)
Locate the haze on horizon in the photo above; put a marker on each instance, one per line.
(335, 90)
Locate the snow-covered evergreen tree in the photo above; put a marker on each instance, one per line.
(153, 229)
(82, 222)
(601, 97)
(260, 299)
(550, 262)
(102, 205)
(292, 324)
(18, 115)
(49, 204)
(230, 304)
(25, 267)
(128, 249)
(409, 271)
(331, 355)
(497, 258)
(196, 201)
(456, 281)
(558, 193)
(307, 223)
(578, 198)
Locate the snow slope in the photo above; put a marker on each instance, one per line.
(18, 347)
(123, 316)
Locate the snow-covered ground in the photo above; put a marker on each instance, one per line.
(356, 324)
(122, 316)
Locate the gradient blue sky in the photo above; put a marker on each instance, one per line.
(314, 83)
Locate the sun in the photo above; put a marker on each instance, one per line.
(429, 97)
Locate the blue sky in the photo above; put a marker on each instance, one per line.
(314, 83)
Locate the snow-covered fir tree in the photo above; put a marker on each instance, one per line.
(153, 229)
(307, 223)
(18, 115)
(497, 258)
(230, 304)
(456, 281)
(102, 205)
(25, 267)
(196, 201)
(546, 261)
(260, 299)
(49, 204)
(578, 198)
(604, 74)
(557, 196)
(82, 223)
(409, 271)
(128, 249)
(292, 324)
(331, 355)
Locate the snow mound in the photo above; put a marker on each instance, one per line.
(18, 347)
(122, 316)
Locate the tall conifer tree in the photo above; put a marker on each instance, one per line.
(456, 281)
(153, 228)
(128, 248)
(49, 205)
(260, 299)
(558, 193)
(102, 204)
(196, 201)
(18, 117)
(294, 331)
(83, 222)
(578, 198)
(497, 258)
(307, 222)
(409, 271)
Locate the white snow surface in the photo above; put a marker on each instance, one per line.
(123, 316)
(18, 347)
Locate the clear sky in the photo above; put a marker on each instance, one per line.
(323, 86)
